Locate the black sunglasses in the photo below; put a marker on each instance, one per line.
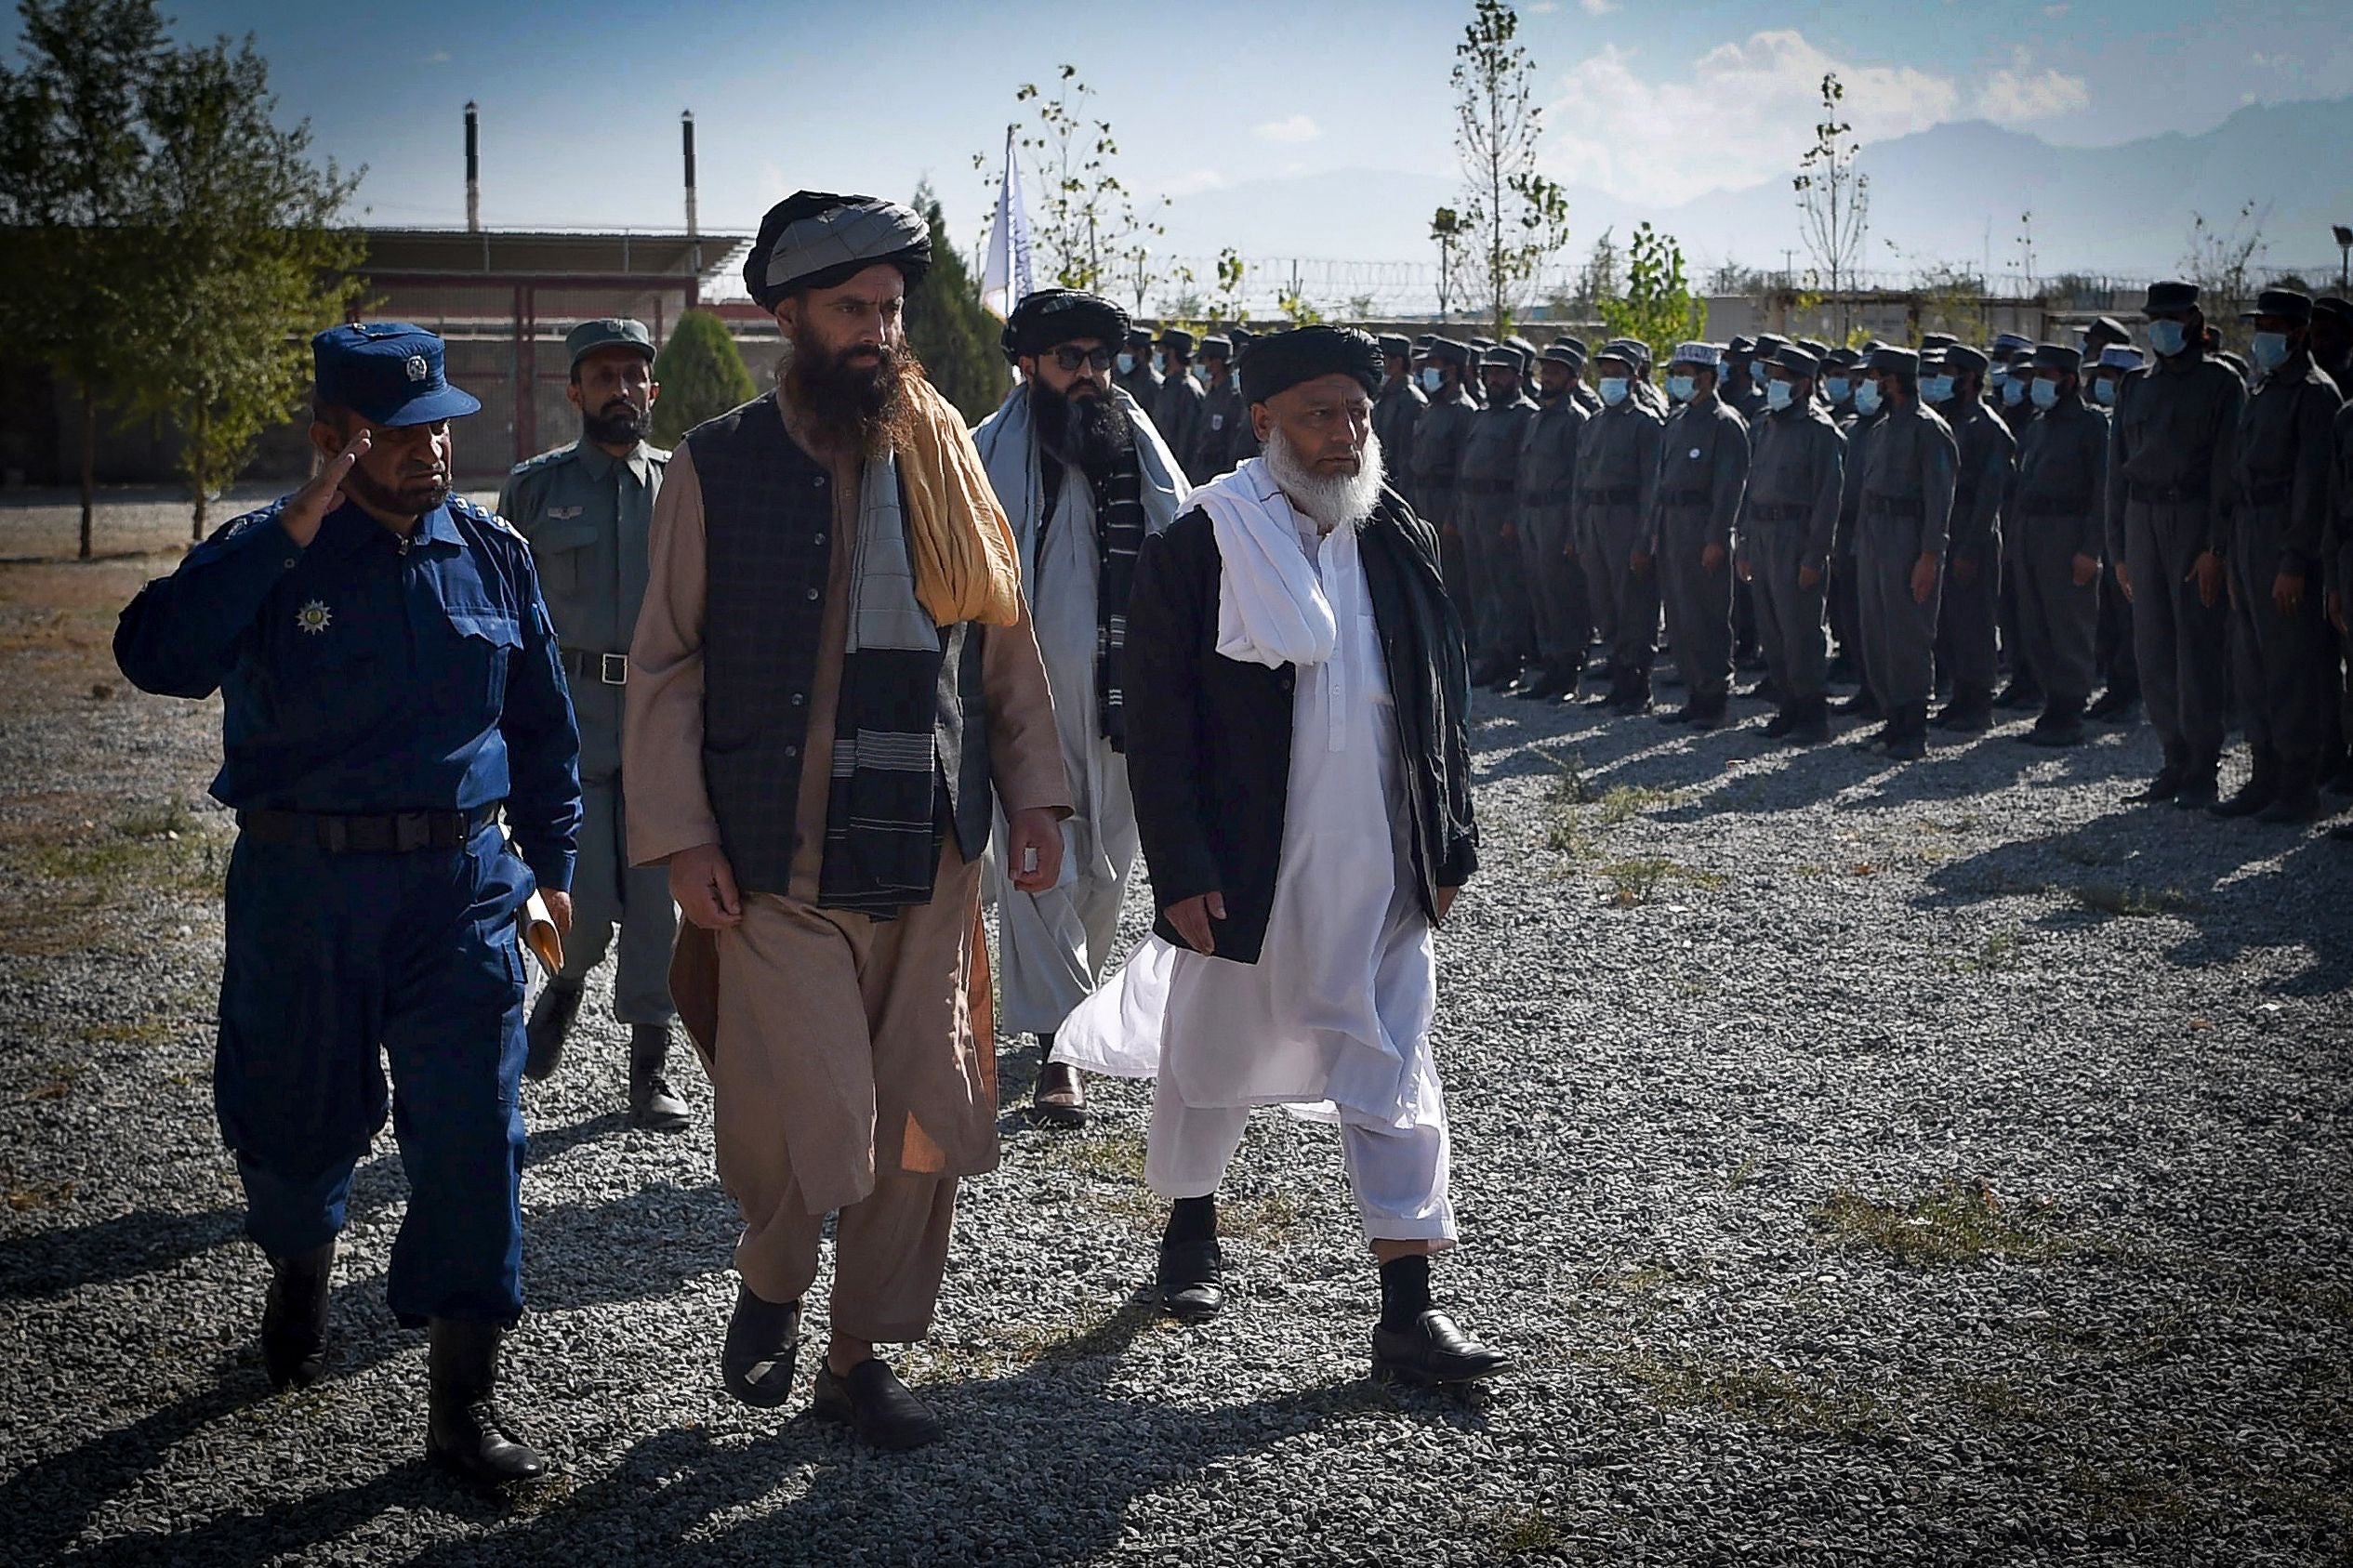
(1070, 358)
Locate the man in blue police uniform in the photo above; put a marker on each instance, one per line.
(586, 508)
(390, 681)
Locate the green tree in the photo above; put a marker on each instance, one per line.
(73, 173)
(955, 337)
(702, 376)
(1833, 199)
(1451, 234)
(1657, 307)
(1086, 222)
(1516, 218)
(259, 263)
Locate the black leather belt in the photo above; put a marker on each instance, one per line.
(1616, 496)
(397, 833)
(1769, 511)
(613, 669)
(1684, 498)
(2164, 495)
(2054, 506)
(1893, 506)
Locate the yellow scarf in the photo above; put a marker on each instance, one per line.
(966, 567)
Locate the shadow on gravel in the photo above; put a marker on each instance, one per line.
(52, 1263)
(48, 1502)
(628, 1249)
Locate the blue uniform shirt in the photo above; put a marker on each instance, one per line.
(370, 674)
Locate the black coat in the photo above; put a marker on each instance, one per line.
(1209, 737)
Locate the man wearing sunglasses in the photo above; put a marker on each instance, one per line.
(1083, 475)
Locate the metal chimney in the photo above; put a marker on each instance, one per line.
(474, 170)
(686, 129)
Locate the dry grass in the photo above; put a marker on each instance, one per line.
(1953, 1222)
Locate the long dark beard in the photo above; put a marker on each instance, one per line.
(618, 423)
(1087, 432)
(853, 405)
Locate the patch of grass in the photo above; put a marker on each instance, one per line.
(1765, 1394)
(1569, 786)
(138, 1032)
(1999, 1402)
(1623, 802)
(1745, 1172)
(2000, 953)
(41, 1194)
(1637, 881)
(1953, 1222)
(171, 818)
(2076, 853)
(1565, 835)
(1526, 1534)
(58, 893)
(2112, 898)
(2124, 1494)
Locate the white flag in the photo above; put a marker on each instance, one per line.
(1005, 280)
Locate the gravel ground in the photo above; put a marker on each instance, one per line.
(1930, 1165)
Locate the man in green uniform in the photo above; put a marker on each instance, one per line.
(585, 508)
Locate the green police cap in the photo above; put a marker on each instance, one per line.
(609, 332)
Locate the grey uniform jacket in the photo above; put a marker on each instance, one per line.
(1703, 466)
(1437, 455)
(1547, 469)
(1617, 462)
(1908, 476)
(1797, 480)
(1857, 431)
(1987, 454)
(586, 513)
(1490, 472)
(1177, 414)
(2172, 442)
(1220, 440)
(1394, 415)
(2062, 482)
(2282, 497)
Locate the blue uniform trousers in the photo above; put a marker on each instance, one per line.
(337, 962)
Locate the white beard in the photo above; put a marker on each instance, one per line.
(1331, 500)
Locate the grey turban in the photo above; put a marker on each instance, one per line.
(816, 240)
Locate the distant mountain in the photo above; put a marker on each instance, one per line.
(1952, 194)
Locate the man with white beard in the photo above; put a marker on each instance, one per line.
(1083, 476)
(1296, 686)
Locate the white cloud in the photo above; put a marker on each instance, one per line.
(1739, 115)
(1193, 182)
(1297, 129)
(2055, 12)
(1544, 7)
(1597, 7)
(2011, 98)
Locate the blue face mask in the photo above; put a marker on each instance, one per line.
(2269, 350)
(1936, 388)
(2104, 392)
(1126, 364)
(1680, 388)
(1839, 387)
(1778, 395)
(1432, 378)
(1867, 396)
(1613, 390)
(1998, 375)
(2168, 338)
(2014, 393)
(2046, 393)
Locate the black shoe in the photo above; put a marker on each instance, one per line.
(294, 1317)
(1687, 714)
(551, 1019)
(1492, 673)
(1862, 704)
(2291, 808)
(2197, 792)
(1781, 723)
(2342, 783)
(1910, 747)
(1970, 712)
(1188, 1277)
(2022, 692)
(877, 1407)
(1543, 685)
(1765, 690)
(756, 1360)
(2257, 794)
(1813, 724)
(653, 1105)
(1060, 1099)
(465, 1433)
(1708, 713)
(2113, 707)
(2164, 786)
(2063, 731)
(1433, 1351)
(1634, 699)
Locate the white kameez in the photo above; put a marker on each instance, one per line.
(1333, 1020)
(1052, 946)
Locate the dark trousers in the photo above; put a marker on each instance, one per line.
(2181, 644)
(336, 963)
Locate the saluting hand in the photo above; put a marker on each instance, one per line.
(308, 507)
(1964, 571)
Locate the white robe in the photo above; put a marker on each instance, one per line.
(1333, 1020)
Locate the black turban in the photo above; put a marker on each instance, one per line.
(1283, 360)
(1053, 316)
(813, 239)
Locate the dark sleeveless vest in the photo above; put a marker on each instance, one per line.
(768, 522)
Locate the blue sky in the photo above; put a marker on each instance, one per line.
(1647, 101)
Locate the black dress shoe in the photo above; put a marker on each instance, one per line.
(551, 1018)
(1188, 1277)
(653, 1105)
(2256, 794)
(875, 1406)
(1686, 714)
(2063, 731)
(1433, 1351)
(2164, 786)
(2018, 695)
(2112, 707)
(294, 1317)
(1862, 704)
(2341, 782)
(2197, 792)
(465, 1433)
(1780, 724)
(1060, 1098)
(763, 1342)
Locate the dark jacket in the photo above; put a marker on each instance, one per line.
(1209, 737)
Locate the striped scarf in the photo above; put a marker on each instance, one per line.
(1120, 530)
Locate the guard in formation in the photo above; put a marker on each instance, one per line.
(586, 508)
(1703, 469)
(391, 690)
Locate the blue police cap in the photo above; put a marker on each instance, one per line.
(388, 372)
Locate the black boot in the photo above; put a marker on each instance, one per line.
(1636, 698)
(294, 1317)
(1707, 713)
(465, 1433)
(1060, 1099)
(763, 1342)
(653, 1105)
(1862, 704)
(1191, 1264)
(2262, 787)
(2061, 725)
(1813, 726)
(551, 1019)
(2024, 692)
(2115, 704)
(2163, 787)
(1908, 736)
(2198, 788)
(1970, 712)
(1783, 721)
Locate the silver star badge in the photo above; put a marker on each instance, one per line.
(314, 617)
